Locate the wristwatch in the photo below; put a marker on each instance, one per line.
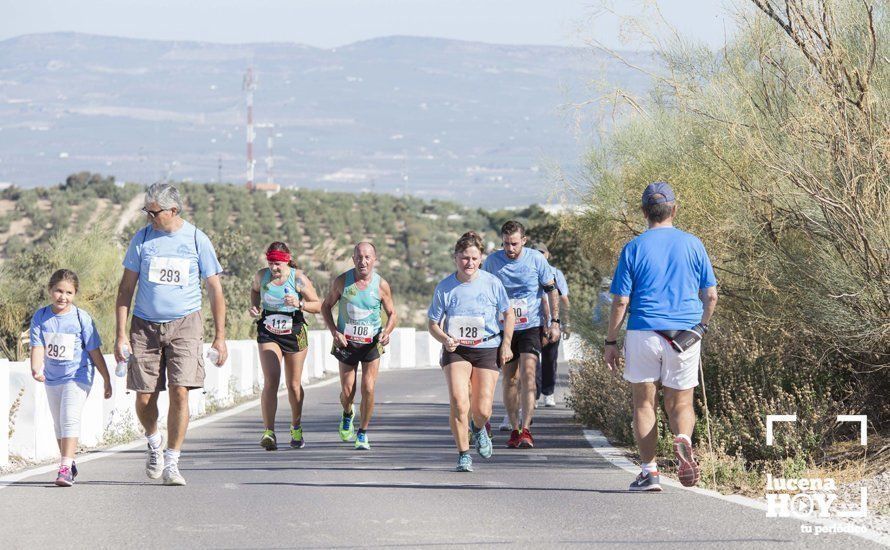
(554, 321)
(611, 342)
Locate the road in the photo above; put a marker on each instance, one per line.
(403, 493)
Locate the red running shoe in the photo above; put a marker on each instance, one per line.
(513, 442)
(525, 439)
(689, 471)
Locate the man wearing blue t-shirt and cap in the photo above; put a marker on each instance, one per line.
(666, 278)
(164, 348)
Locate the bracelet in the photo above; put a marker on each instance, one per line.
(612, 342)
(554, 321)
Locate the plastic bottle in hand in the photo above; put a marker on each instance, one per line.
(121, 369)
(213, 356)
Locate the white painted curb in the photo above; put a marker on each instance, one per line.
(9, 479)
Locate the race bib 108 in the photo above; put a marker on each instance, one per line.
(360, 334)
(59, 346)
(169, 271)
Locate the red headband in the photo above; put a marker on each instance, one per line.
(277, 256)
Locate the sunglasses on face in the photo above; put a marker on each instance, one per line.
(154, 213)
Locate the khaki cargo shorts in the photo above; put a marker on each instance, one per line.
(166, 353)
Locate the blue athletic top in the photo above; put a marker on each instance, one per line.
(66, 356)
(524, 279)
(662, 271)
(471, 310)
(561, 285)
(170, 266)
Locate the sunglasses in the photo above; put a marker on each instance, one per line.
(154, 213)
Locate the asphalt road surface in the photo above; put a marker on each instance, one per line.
(403, 493)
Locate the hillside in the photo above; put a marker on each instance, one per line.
(413, 236)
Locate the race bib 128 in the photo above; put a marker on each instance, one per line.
(468, 331)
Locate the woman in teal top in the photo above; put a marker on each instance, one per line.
(279, 296)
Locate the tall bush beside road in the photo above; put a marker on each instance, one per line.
(778, 149)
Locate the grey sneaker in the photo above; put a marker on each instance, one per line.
(65, 477)
(646, 482)
(505, 426)
(482, 443)
(154, 465)
(464, 463)
(172, 475)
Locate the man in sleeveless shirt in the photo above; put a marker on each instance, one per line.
(167, 258)
(359, 337)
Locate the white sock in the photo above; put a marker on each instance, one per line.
(67, 461)
(154, 439)
(687, 438)
(171, 457)
(649, 467)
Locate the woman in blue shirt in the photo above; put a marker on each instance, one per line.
(464, 317)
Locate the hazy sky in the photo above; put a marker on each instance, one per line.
(330, 23)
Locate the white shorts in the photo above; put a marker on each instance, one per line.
(649, 357)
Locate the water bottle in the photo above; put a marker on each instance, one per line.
(212, 356)
(121, 369)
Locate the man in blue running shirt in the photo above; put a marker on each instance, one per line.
(527, 277)
(665, 278)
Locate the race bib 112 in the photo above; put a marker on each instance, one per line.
(279, 324)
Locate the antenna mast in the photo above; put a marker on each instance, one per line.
(249, 86)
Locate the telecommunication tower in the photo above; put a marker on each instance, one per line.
(249, 86)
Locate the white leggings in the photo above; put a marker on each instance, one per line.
(66, 403)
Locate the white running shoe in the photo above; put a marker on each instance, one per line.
(172, 475)
(154, 462)
(549, 401)
(505, 425)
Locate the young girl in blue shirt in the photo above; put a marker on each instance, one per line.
(64, 348)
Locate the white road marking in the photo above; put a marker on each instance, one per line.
(605, 449)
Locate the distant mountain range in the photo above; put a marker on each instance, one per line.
(478, 123)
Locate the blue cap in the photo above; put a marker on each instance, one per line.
(658, 188)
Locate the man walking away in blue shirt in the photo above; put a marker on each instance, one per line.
(664, 277)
